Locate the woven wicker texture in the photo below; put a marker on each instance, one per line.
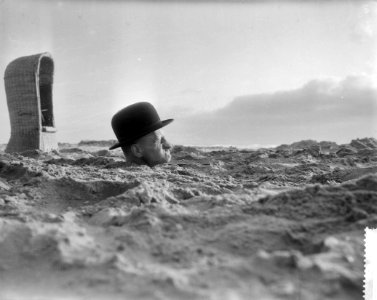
(25, 78)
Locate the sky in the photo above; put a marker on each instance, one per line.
(242, 73)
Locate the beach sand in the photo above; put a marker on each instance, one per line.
(225, 223)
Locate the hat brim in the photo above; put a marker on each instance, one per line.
(154, 128)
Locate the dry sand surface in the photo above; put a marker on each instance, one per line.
(224, 223)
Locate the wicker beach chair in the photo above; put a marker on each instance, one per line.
(28, 86)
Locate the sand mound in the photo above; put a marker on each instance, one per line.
(353, 200)
(277, 223)
(106, 144)
(365, 143)
(59, 242)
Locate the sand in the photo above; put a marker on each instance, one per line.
(224, 223)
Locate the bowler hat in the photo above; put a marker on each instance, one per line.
(135, 121)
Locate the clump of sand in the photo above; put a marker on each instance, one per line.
(276, 223)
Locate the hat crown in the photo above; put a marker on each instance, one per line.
(135, 121)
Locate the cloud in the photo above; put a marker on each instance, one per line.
(322, 109)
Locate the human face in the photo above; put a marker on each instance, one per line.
(155, 148)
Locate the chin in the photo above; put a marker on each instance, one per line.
(163, 160)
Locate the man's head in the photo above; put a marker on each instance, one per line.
(152, 149)
(137, 128)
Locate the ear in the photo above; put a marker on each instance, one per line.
(136, 150)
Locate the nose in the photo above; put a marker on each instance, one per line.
(166, 145)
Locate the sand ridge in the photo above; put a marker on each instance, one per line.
(225, 223)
